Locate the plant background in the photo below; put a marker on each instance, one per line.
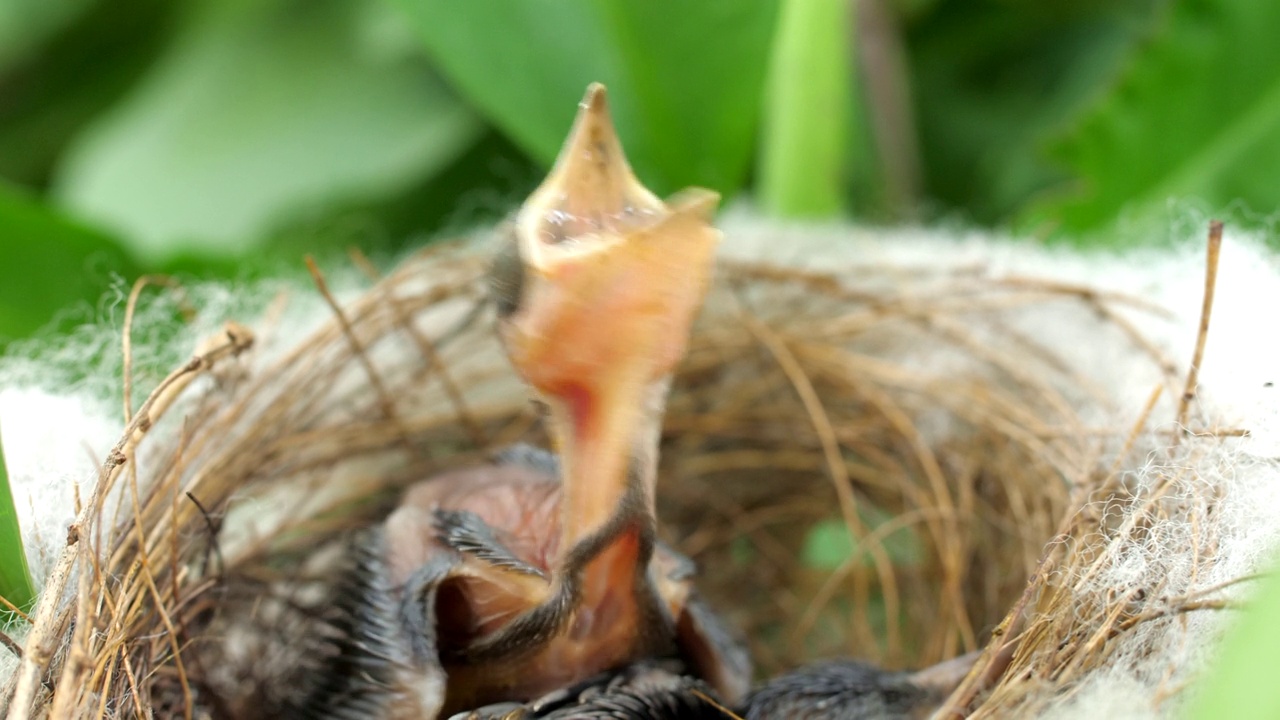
(226, 138)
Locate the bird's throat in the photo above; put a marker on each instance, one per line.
(598, 430)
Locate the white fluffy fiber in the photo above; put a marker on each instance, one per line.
(57, 427)
(60, 407)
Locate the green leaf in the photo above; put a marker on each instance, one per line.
(52, 95)
(473, 191)
(15, 575)
(1242, 684)
(807, 98)
(261, 110)
(50, 264)
(25, 23)
(992, 81)
(1196, 116)
(684, 79)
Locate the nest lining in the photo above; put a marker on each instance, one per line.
(922, 407)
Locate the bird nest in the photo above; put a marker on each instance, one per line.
(872, 461)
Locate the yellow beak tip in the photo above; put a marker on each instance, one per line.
(595, 100)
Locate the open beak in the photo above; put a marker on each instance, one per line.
(613, 277)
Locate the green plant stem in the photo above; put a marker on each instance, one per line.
(806, 112)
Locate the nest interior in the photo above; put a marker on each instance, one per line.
(868, 464)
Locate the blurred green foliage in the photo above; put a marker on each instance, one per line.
(1197, 114)
(1241, 685)
(50, 262)
(685, 79)
(257, 110)
(222, 137)
(996, 83)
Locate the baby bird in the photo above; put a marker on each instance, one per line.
(506, 583)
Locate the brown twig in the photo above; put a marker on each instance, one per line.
(830, 447)
(1206, 310)
(126, 335)
(11, 645)
(428, 350)
(713, 703)
(14, 609)
(357, 347)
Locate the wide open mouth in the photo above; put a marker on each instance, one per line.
(609, 281)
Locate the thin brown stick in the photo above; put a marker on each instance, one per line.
(135, 689)
(144, 567)
(11, 645)
(126, 335)
(1131, 439)
(882, 52)
(1219, 587)
(712, 702)
(428, 350)
(831, 450)
(1178, 609)
(818, 415)
(172, 636)
(14, 609)
(1206, 310)
(358, 349)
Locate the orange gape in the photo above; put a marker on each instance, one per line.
(597, 330)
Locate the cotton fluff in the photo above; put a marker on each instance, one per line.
(60, 407)
(61, 435)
